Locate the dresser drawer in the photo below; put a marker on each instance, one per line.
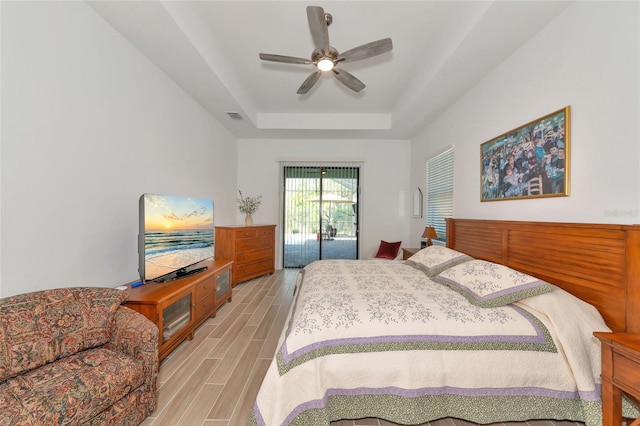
(265, 232)
(204, 288)
(254, 243)
(241, 272)
(254, 232)
(246, 233)
(253, 256)
(626, 373)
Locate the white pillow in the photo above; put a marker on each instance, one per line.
(490, 285)
(435, 259)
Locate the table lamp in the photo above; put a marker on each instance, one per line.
(429, 233)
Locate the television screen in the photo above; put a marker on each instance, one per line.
(175, 234)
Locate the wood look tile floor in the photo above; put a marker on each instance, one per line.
(213, 379)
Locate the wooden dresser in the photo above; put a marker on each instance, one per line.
(251, 248)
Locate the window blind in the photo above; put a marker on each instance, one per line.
(319, 211)
(439, 193)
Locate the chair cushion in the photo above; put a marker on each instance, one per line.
(73, 389)
(40, 327)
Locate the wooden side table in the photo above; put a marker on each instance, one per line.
(620, 374)
(408, 252)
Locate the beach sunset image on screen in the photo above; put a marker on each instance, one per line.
(178, 232)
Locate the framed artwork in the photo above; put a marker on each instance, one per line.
(417, 203)
(531, 161)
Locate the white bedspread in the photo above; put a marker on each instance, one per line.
(377, 338)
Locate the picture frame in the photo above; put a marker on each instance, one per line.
(530, 161)
(417, 203)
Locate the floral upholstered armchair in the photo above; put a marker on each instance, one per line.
(76, 356)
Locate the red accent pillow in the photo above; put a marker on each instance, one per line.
(388, 250)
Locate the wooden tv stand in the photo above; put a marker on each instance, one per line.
(180, 306)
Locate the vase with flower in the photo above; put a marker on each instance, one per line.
(248, 206)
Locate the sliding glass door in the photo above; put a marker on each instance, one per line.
(320, 213)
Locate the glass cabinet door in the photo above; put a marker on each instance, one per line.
(176, 316)
(222, 283)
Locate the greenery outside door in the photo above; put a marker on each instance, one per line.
(320, 213)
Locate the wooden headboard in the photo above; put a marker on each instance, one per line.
(598, 263)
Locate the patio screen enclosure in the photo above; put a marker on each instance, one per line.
(320, 212)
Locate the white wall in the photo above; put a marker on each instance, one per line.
(385, 197)
(88, 125)
(589, 58)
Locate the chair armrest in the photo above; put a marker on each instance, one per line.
(136, 336)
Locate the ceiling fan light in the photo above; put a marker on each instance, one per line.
(325, 64)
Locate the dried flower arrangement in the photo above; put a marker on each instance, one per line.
(249, 205)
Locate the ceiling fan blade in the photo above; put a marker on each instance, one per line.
(368, 50)
(284, 59)
(319, 28)
(348, 80)
(309, 82)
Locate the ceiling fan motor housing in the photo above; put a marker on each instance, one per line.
(317, 55)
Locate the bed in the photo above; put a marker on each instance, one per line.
(483, 330)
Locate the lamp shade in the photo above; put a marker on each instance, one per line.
(429, 232)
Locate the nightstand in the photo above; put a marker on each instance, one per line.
(620, 373)
(408, 252)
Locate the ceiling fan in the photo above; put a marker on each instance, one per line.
(326, 58)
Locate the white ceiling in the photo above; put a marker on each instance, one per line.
(441, 49)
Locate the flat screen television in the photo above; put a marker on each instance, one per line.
(175, 234)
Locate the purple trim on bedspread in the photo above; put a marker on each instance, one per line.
(259, 418)
(444, 390)
(538, 338)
